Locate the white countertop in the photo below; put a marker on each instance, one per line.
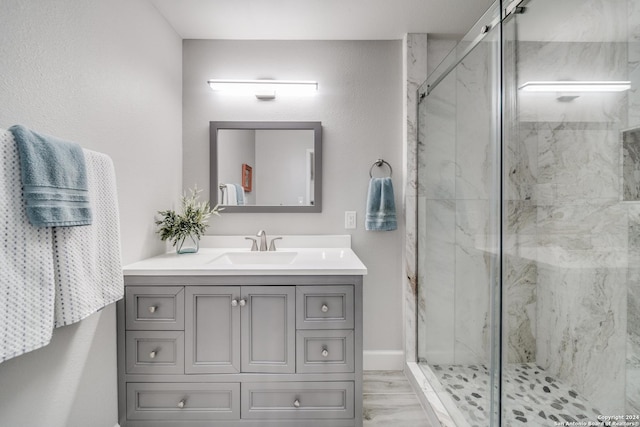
(304, 255)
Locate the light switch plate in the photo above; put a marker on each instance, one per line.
(350, 220)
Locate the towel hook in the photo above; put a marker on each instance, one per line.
(379, 163)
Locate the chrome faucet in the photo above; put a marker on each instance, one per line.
(254, 246)
(263, 239)
(272, 246)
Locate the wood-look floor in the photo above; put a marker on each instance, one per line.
(390, 401)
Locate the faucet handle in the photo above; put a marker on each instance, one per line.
(254, 244)
(272, 246)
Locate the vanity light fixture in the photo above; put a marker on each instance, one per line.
(576, 86)
(265, 89)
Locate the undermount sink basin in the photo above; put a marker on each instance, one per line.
(236, 258)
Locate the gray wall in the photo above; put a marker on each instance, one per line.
(359, 103)
(106, 74)
(279, 177)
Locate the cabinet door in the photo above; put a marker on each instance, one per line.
(212, 329)
(268, 329)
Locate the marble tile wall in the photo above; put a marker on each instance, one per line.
(634, 61)
(520, 275)
(519, 271)
(579, 245)
(632, 367)
(457, 214)
(631, 165)
(581, 336)
(436, 222)
(477, 201)
(415, 70)
(632, 382)
(474, 262)
(436, 323)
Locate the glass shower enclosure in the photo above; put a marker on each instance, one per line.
(529, 217)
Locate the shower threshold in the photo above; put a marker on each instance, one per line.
(530, 395)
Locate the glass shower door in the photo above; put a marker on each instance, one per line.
(529, 218)
(572, 213)
(459, 223)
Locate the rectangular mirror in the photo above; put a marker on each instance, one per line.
(266, 166)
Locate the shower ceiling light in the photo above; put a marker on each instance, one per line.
(576, 86)
(264, 89)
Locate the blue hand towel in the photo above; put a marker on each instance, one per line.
(381, 206)
(239, 194)
(54, 179)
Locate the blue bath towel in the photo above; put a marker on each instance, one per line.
(54, 179)
(381, 206)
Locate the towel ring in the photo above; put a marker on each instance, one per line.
(379, 163)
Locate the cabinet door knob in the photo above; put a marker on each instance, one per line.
(296, 403)
(243, 303)
(325, 352)
(234, 302)
(153, 354)
(324, 308)
(181, 404)
(152, 309)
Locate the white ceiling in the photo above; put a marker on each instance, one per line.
(319, 19)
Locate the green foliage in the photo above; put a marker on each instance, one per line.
(175, 227)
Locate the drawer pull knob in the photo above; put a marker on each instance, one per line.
(324, 308)
(234, 303)
(243, 303)
(296, 403)
(152, 355)
(325, 352)
(181, 404)
(153, 309)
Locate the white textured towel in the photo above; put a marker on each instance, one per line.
(27, 288)
(229, 195)
(51, 277)
(88, 267)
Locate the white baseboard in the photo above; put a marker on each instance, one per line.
(383, 360)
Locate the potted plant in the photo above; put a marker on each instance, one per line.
(184, 230)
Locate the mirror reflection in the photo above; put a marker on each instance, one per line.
(265, 166)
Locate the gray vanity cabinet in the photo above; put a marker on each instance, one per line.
(253, 351)
(212, 330)
(219, 319)
(268, 329)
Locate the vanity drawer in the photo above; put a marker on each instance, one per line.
(324, 307)
(155, 352)
(295, 400)
(183, 401)
(155, 308)
(319, 351)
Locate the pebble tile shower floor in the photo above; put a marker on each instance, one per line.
(530, 397)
